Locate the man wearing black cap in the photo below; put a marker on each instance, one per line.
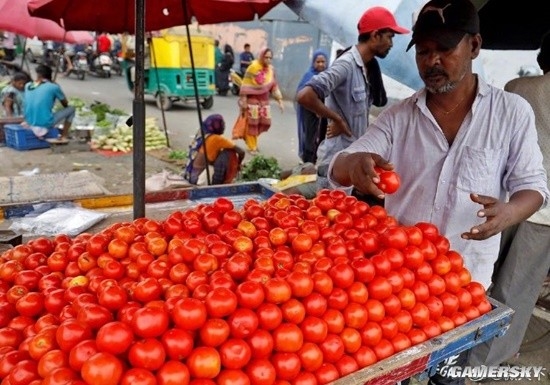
(524, 260)
(460, 146)
(350, 86)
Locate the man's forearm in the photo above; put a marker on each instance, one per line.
(525, 203)
(308, 99)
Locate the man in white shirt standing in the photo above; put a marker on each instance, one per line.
(524, 258)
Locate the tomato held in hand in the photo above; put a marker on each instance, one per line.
(389, 180)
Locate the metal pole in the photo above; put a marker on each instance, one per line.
(195, 86)
(138, 111)
(157, 78)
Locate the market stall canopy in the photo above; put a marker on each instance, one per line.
(16, 18)
(119, 16)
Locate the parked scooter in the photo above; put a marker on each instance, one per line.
(101, 65)
(236, 79)
(80, 65)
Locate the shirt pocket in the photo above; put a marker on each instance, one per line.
(478, 168)
(359, 95)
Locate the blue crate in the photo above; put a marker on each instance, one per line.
(22, 139)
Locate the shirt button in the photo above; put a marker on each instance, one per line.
(442, 182)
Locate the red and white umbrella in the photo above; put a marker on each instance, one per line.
(16, 18)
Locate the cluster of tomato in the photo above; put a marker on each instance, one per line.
(283, 291)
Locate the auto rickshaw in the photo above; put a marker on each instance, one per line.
(168, 73)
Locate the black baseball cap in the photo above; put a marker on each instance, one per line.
(445, 21)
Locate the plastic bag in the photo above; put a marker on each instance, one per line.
(61, 220)
(240, 127)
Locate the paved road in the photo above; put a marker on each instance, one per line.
(182, 120)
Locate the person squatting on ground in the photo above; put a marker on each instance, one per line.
(350, 86)
(311, 128)
(39, 99)
(460, 146)
(259, 83)
(11, 96)
(524, 259)
(221, 153)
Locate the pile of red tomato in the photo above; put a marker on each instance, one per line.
(283, 291)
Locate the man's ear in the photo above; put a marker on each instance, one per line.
(476, 45)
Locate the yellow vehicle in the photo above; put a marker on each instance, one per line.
(168, 72)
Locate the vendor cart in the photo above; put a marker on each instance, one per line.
(417, 361)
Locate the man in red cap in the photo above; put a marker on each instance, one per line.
(350, 86)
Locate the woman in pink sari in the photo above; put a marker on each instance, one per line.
(258, 84)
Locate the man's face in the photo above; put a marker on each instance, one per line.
(385, 43)
(320, 63)
(19, 84)
(442, 68)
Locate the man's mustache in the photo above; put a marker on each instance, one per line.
(434, 71)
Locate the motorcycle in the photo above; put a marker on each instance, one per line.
(102, 64)
(236, 79)
(80, 65)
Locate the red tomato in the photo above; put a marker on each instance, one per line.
(287, 337)
(138, 376)
(177, 343)
(81, 352)
(431, 328)
(220, 302)
(383, 349)
(189, 314)
(23, 373)
(173, 373)
(114, 337)
(326, 373)
(235, 354)
(352, 340)
(242, 323)
(150, 322)
(287, 365)
(420, 314)
(30, 304)
(204, 362)
(401, 342)
(277, 291)
(392, 304)
(477, 291)
(389, 180)
(147, 290)
(250, 294)
(293, 311)
(300, 283)
(333, 348)
(355, 315)
(269, 316)
(102, 368)
(261, 343)
(51, 360)
(261, 372)
(346, 365)
(94, 316)
(435, 306)
(147, 354)
(379, 288)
